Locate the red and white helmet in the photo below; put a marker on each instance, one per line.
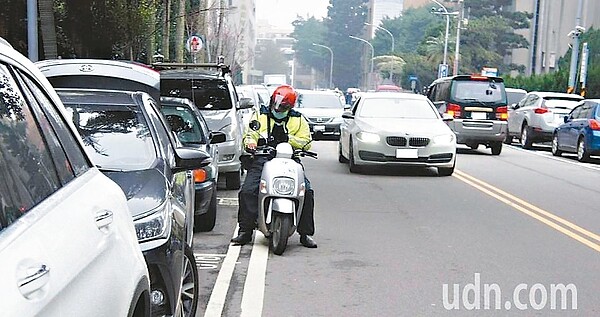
(283, 98)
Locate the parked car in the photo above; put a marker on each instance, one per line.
(188, 124)
(249, 91)
(536, 116)
(580, 132)
(402, 129)
(513, 96)
(323, 110)
(478, 105)
(67, 241)
(126, 136)
(214, 94)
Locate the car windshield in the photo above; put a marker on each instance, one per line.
(206, 94)
(114, 136)
(480, 91)
(397, 108)
(184, 123)
(564, 103)
(319, 101)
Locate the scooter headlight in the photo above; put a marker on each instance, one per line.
(283, 185)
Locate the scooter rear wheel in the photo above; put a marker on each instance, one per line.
(281, 226)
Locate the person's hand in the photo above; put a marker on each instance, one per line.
(251, 147)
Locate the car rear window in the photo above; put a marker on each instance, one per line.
(478, 90)
(319, 101)
(561, 102)
(114, 136)
(397, 108)
(206, 94)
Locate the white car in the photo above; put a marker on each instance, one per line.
(401, 129)
(536, 116)
(67, 240)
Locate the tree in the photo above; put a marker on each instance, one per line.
(409, 30)
(270, 59)
(307, 32)
(48, 28)
(345, 18)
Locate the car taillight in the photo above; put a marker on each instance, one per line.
(453, 110)
(540, 110)
(594, 124)
(502, 113)
(199, 175)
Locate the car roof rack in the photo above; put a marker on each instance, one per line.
(224, 69)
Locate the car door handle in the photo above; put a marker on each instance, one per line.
(35, 281)
(104, 218)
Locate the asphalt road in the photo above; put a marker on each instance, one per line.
(523, 225)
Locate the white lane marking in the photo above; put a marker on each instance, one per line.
(254, 287)
(225, 201)
(557, 158)
(219, 293)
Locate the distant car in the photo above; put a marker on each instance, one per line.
(68, 245)
(396, 129)
(514, 95)
(323, 111)
(192, 130)
(250, 91)
(478, 105)
(130, 141)
(536, 116)
(580, 132)
(213, 92)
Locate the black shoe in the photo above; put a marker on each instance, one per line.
(308, 242)
(242, 238)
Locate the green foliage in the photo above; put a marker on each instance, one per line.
(417, 65)
(307, 32)
(408, 30)
(345, 18)
(270, 59)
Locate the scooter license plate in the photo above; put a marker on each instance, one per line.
(407, 153)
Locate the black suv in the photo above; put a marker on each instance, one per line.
(479, 108)
(214, 94)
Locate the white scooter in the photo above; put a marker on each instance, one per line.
(281, 191)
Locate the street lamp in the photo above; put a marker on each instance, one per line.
(447, 15)
(392, 36)
(330, 64)
(372, 56)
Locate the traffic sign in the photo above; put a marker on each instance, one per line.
(194, 44)
(442, 70)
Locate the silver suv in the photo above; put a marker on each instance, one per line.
(67, 240)
(536, 116)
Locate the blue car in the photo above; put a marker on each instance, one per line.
(580, 133)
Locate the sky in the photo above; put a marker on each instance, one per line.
(284, 12)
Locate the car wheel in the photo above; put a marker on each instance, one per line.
(188, 301)
(351, 164)
(206, 222)
(473, 146)
(341, 157)
(526, 137)
(582, 154)
(233, 180)
(446, 171)
(496, 148)
(555, 150)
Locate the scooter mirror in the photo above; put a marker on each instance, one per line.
(254, 125)
(262, 141)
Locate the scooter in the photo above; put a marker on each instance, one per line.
(281, 192)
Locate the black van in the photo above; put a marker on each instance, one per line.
(478, 105)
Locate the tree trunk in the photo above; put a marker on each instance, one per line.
(180, 31)
(166, 29)
(48, 29)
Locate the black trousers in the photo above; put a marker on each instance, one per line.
(248, 202)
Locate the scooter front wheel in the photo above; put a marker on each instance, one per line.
(281, 226)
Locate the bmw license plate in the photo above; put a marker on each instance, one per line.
(319, 128)
(407, 153)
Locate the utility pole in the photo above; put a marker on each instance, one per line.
(574, 34)
(461, 16)
(32, 30)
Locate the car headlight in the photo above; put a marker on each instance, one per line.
(368, 137)
(155, 225)
(443, 139)
(283, 185)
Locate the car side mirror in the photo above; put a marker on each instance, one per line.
(246, 103)
(217, 137)
(254, 125)
(566, 119)
(190, 159)
(515, 106)
(347, 115)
